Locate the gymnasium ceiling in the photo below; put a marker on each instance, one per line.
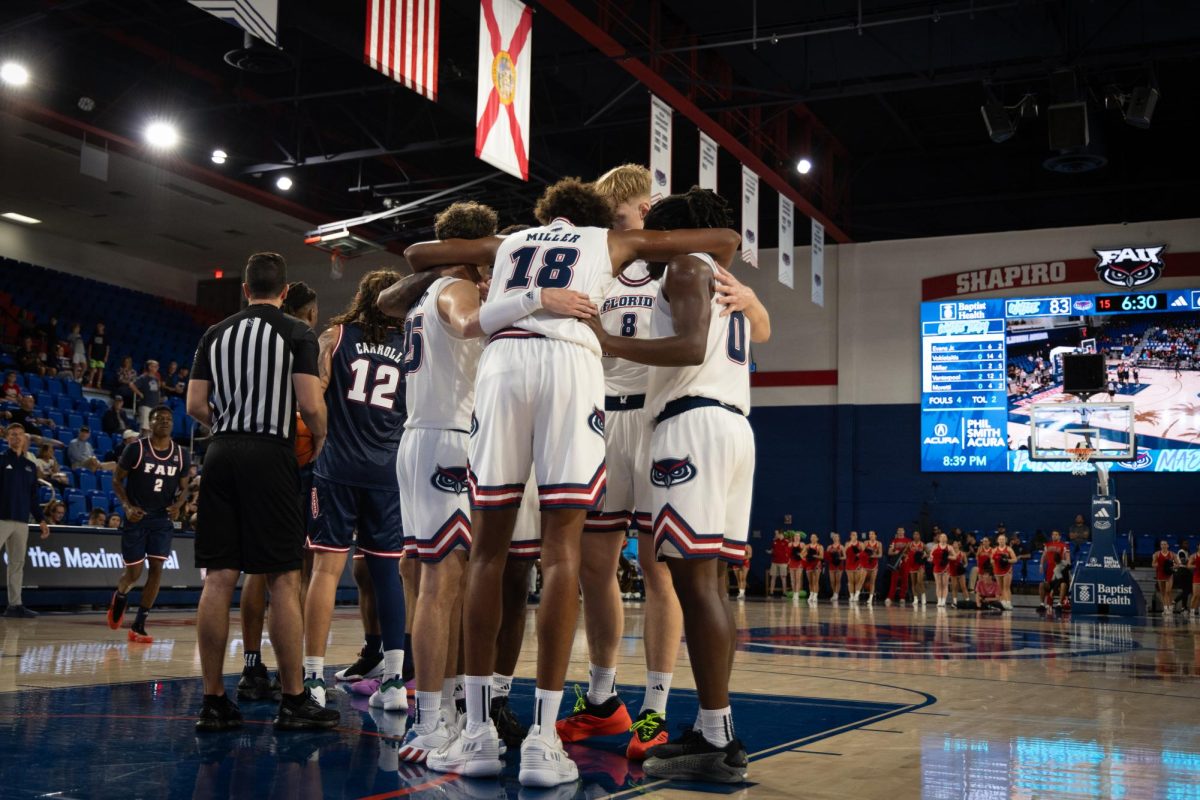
(885, 96)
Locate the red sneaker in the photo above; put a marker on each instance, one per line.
(587, 720)
(140, 638)
(650, 730)
(116, 611)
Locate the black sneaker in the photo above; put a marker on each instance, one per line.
(305, 715)
(510, 729)
(368, 665)
(694, 758)
(219, 713)
(19, 612)
(256, 684)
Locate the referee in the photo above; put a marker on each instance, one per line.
(251, 372)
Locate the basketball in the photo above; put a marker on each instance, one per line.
(304, 442)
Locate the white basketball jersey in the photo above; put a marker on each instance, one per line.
(439, 367)
(626, 311)
(560, 256)
(723, 376)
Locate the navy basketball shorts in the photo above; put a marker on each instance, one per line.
(149, 537)
(339, 510)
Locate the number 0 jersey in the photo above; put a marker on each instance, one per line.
(555, 256)
(626, 311)
(439, 367)
(366, 410)
(724, 374)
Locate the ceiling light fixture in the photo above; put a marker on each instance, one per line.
(162, 135)
(283, 182)
(804, 166)
(14, 74)
(219, 156)
(15, 217)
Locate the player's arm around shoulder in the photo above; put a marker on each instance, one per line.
(659, 246)
(424, 256)
(397, 299)
(737, 296)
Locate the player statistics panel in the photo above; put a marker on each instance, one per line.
(984, 361)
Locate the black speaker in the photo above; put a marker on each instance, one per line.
(1068, 123)
(1084, 373)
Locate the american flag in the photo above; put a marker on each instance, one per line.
(402, 42)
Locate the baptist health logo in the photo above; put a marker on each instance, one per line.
(947, 311)
(1085, 592)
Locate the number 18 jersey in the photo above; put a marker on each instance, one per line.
(365, 400)
(555, 256)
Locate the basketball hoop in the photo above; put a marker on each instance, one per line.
(1080, 457)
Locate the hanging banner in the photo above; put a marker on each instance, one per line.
(660, 149)
(749, 217)
(502, 98)
(787, 238)
(708, 162)
(818, 263)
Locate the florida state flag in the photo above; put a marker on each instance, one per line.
(502, 115)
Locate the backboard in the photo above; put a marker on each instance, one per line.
(1107, 428)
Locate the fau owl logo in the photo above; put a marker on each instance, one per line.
(1128, 267)
(672, 471)
(474, 425)
(450, 479)
(596, 422)
(660, 177)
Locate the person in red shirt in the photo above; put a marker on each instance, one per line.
(914, 568)
(940, 555)
(742, 571)
(1165, 563)
(956, 570)
(897, 551)
(796, 562)
(780, 550)
(835, 559)
(855, 560)
(872, 550)
(812, 554)
(983, 554)
(1054, 553)
(1003, 558)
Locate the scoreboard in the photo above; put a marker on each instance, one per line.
(964, 365)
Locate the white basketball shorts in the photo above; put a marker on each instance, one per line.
(627, 461)
(431, 467)
(701, 476)
(538, 403)
(527, 534)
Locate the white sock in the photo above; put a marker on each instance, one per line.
(460, 686)
(479, 700)
(602, 683)
(717, 725)
(314, 667)
(501, 684)
(658, 686)
(545, 711)
(449, 707)
(428, 709)
(393, 663)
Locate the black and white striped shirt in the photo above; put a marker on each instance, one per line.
(249, 358)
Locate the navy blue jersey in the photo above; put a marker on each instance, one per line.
(365, 399)
(154, 475)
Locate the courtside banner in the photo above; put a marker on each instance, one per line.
(502, 107)
(660, 149)
(818, 263)
(708, 162)
(749, 216)
(787, 239)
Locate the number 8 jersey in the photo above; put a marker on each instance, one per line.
(724, 375)
(555, 256)
(365, 401)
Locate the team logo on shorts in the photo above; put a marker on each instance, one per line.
(450, 479)
(672, 471)
(474, 425)
(596, 421)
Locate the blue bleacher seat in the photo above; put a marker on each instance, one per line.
(1144, 545)
(57, 417)
(85, 480)
(106, 481)
(44, 494)
(74, 389)
(64, 403)
(34, 383)
(97, 500)
(75, 420)
(60, 455)
(114, 502)
(80, 520)
(102, 443)
(76, 505)
(97, 406)
(54, 386)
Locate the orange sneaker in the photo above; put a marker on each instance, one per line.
(116, 610)
(140, 638)
(587, 720)
(650, 730)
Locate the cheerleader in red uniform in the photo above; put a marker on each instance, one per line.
(742, 571)
(855, 560)
(796, 562)
(983, 555)
(812, 555)
(872, 552)
(1194, 566)
(957, 571)
(835, 557)
(1165, 563)
(940, 555)
(914, 565)
(1003, 558)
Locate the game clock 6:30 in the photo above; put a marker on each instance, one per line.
(1144, 301)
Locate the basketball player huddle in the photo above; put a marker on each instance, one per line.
(598, 366)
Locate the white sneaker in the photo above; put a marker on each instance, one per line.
(544, 763)
(922, 599)
(871, 600)
(834, 600)
(886, 602)
(416, 747)
(316, 688)
(741, 594)
(941, 604)
(391, 695)
(471, 754)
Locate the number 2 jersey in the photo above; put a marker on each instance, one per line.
(154, 476)
(365, 402)
(439, 367)
(554, 256)
(724, 375)
(626, 311)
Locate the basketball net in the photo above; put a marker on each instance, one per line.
(337, 265)
(1080, 458)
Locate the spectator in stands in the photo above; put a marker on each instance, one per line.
(60, 364)
(148, 390)
(18, 499)
(26, 416)
(54, 511)
(114, 520)
(48, 467)
(126, 375)
(48, 332)
(116, 419)
(26, 324)
(97, 518)
(1080, 532)
(956, 536)
(97, 356)
(78, 348)
(27, 357)
(114, 455)
(11, 390)
(173, 382)
(81, 454)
